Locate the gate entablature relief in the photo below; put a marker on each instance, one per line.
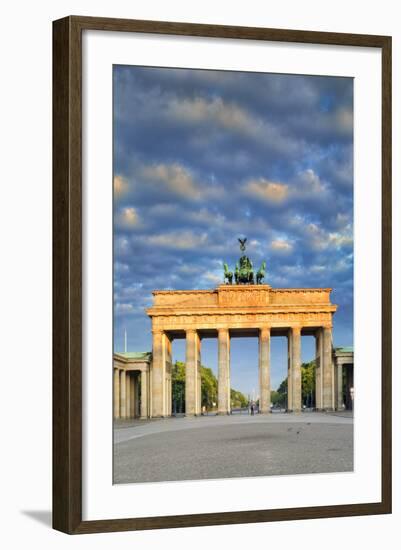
(250, 295)
(202, 322)
(241, 306)
(241, 300)
(176, 298)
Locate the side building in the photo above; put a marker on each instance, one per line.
(131, 379)
(343, 359)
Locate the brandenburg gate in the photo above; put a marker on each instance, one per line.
(240, 310)
(230, 310)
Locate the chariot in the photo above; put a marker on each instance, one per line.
(244, 272)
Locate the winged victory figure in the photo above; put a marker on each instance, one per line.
(242, 243)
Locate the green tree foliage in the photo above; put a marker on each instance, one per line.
(178, 387)
(308, 377)
(238, 399)
(275, 397)
(308, 374)
(208, 389)
(283, 386)
(281, 394)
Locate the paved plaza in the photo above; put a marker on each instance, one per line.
(241, 445)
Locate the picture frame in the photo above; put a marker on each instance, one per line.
(67, 273)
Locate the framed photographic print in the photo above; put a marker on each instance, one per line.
(222, 274)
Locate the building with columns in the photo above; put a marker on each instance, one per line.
(131, 385)
(226, 312)
(344, 374)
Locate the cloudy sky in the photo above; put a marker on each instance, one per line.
(203, 157)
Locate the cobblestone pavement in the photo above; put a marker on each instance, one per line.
(213, 447)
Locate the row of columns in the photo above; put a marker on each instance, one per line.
(161, 372)
(131, 393)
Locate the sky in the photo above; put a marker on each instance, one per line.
(204, 157)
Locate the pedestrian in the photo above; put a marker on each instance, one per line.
(252, 409)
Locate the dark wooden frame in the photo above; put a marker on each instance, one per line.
(67, 274)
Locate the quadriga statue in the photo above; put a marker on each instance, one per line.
(244, 272)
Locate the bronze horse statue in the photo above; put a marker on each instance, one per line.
(227, 274)
(244, 272)
(260, 275)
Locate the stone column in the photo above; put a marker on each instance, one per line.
(339, 387)
(128, 394)
(158, 374)
(133, 401)
(167, 375)
(264, 370)
(123, 395)
(328, 375)
(224, 405)
(318, 370)
(116, 375)
(144, 394)
(137, 410)
(199, 394)
(289, 371)
(191, 372)
(168, 394)
(198, 401)
(296, 369)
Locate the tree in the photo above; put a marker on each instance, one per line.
(308, 381)
(282, 393)
(308, 374)
(178, 387)
(238, 399)
(283, 386)
(209, 389)
(275, 397)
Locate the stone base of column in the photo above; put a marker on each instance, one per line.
(223, 413)
(265, 412)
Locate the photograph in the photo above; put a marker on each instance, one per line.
(198, 244)
(233, 274)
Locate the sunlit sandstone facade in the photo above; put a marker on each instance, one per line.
(131, 385)
(234, 311)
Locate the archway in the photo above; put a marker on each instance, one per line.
(244, 371)
(279, 373)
